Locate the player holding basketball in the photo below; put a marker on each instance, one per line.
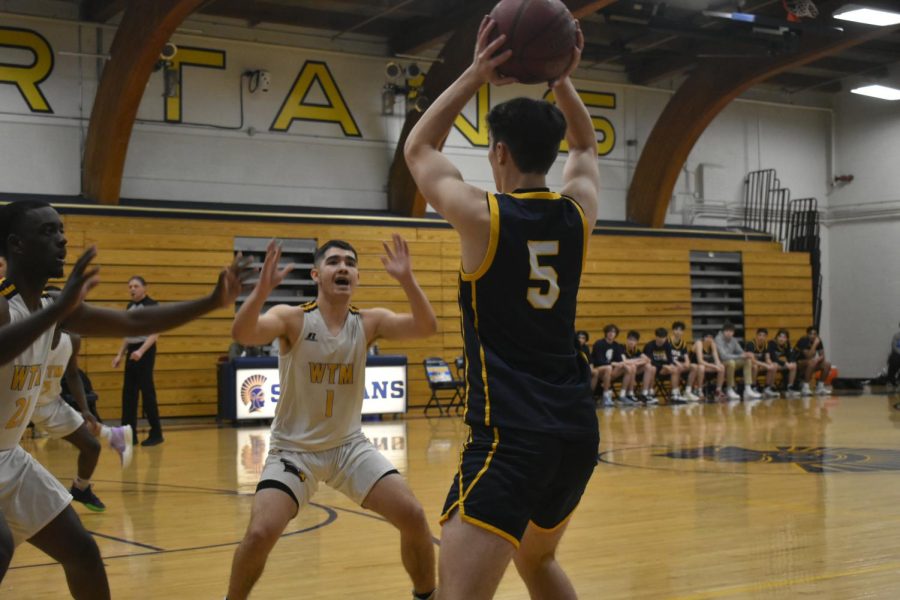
(316, 434)
(35, 506)
(533, 435)
(60, 420)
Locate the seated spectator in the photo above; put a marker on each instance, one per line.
(706, 355)
(782, 354)
(761, 363)
(811, 360)
(733, 356)
(681, 359)
(581, 343)
(641, 363)
(607, 362)
(659, 351)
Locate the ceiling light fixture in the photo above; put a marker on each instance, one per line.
(878, 91)
(868, 16)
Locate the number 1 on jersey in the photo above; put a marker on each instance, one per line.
(329, 403)
(537, 298)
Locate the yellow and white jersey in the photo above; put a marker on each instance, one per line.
(20, 380)
(57, 361)
(322, 385)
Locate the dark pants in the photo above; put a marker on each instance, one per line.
(139, 377)
(893, 367)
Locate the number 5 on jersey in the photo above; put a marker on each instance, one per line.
(543, 300)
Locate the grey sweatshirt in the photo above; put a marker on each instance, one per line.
(728, 350)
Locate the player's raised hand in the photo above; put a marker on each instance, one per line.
(81, 280)
(270, 274)
(231, 280)
(487, 58)
(397, 262)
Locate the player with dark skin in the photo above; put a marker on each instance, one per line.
(35, 248)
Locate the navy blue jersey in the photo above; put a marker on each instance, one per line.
(632, 354)
(518, 318)
(659, 355)
(680, 350)
(804, 344)
(759, 350)
(606, 353)
(781, 354)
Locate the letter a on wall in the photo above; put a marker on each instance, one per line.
(24, 76)
(296, 107)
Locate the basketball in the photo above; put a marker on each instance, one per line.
(541, 35)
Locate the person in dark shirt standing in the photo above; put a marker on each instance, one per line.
(810, 359)
(659, 351)
(527, 388)
(893, 374)
(782, 355)
(681, 358)
(607, 362)
(141, 357)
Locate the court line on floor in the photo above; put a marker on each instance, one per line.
(124, 541)
(771, 585)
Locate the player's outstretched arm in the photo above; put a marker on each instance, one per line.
(581, 175)
(383, 323)
(90, 320)
(437, 178)
(250, 328)
(16, 337)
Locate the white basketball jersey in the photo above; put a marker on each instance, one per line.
(322, 385)
(57, 361)
(20, 380)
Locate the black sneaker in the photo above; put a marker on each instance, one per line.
(88, 498)
(153, 441)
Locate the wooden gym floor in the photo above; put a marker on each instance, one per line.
(775, 499)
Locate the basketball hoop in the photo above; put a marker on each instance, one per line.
(800, 9)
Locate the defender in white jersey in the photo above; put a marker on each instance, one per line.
(53, 415)
(316, 434)
(34, 505)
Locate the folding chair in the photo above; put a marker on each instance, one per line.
(440, 381)
(460, 382)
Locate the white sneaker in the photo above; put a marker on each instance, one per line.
(732, 395)
(770, 393)
(750, 393)
(691, 396)
(821, 390)
(805, 391)
(791, 393)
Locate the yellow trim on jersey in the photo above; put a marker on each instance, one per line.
(680, 347)
(488, 527)
(542, 195)
(487, 463)
(587, 231)
(446, 516)
(555, 527)
(354, 310)
(309, 306)
(488, 259)
(7, 288)
(484, 377)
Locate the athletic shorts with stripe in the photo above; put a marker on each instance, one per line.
(508, 478)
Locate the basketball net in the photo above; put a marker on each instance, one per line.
(800, 9)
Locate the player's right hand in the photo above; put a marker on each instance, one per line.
(486, 57)
(270, 276)
(81, 280)
(116, 361)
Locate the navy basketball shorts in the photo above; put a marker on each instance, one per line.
(508, 478)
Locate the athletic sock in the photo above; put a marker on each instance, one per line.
(81, 484)
(105, 431)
